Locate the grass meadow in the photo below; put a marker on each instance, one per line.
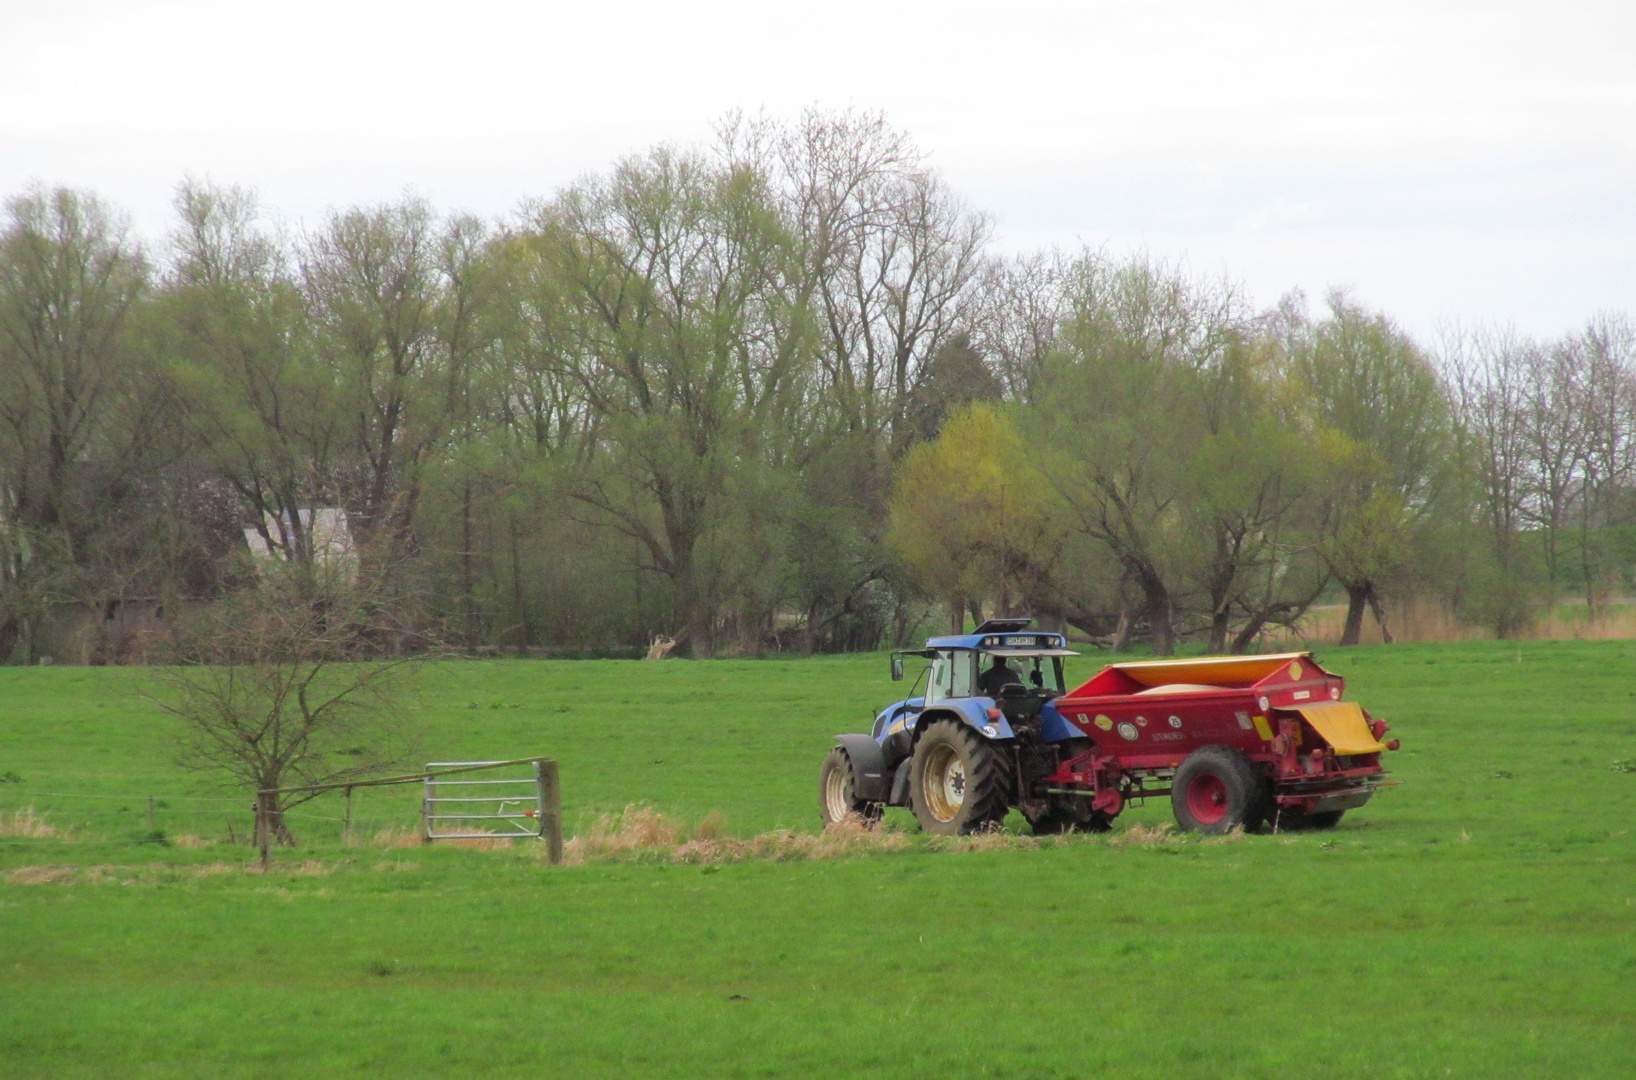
(1477, 921)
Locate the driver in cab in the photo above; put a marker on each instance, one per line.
(997, 675)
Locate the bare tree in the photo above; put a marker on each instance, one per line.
(1488, 369)
(282, 685)
(1604, 358)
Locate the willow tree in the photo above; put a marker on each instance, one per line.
(688, 345)
(971, 513)
(1377, 393)
(1125, 414)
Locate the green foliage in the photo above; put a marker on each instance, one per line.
(675, 398)
(971, 511)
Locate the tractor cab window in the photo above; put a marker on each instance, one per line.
(1045, 672)
(941, 682)
(1033, 672)
(964, 682)
(998, 672)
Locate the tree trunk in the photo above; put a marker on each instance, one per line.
(9, 633)
(1155, 605)
(1122, 629)
(517, 599)
(1356, 597)
(1160, 631)
(700, 632)
(1380, 615)
(468, 587)
(957, 615)
(1218, 631)
(696, 616)
(1247, 635)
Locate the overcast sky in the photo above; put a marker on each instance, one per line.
(1447, 161)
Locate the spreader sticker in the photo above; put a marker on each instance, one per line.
(1105, 723)
(1128, 730)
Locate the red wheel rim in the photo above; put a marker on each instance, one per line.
(1207, 799)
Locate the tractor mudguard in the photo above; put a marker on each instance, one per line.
(973, 712)
(900, 784)
(869, 779)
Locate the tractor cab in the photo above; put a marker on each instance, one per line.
(999, 668)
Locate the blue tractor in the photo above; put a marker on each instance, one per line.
(980, 740)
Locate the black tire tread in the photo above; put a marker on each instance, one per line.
(987, 787)
(1239, 774)
(839, 758)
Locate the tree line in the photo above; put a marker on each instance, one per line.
(777, 393)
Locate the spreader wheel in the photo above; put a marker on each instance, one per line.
(956, 780)
(1217, 790)
(836, 788)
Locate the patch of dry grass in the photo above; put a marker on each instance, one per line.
(397, 837)
(640, 832)
(486, 842)
(26, 823)
(152, 873)
(42, 875)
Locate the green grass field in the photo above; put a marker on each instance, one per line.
(1478, 921)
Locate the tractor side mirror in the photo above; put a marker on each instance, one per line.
(897, 668)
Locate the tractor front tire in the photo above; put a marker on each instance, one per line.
(837, 792)
(957, 781)
(1217, 790)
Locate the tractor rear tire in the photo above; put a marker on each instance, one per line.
(837, 787)
(957, 781)
(1217, 790)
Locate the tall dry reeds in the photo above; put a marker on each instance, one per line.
(1431, 620)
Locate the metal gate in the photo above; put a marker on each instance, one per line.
(523, 806)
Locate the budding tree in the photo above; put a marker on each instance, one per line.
(295, 681)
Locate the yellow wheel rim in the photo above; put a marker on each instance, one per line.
(837, 799)
(944, 783)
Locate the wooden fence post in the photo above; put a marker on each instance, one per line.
(550, 809)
